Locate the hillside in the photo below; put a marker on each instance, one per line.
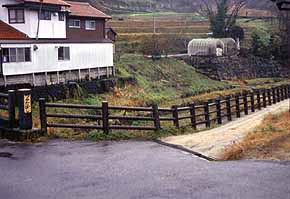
(163, 81)
(129, 6)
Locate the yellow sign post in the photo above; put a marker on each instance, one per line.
(27, 103)
(25, 109)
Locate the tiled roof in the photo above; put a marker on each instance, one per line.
(8, 32)
(55, 2)
(83, 9)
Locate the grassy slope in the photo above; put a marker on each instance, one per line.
(164, 82)
(158, 81)
(271, 140)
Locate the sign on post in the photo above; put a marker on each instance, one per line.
(27, 103)
(25, 112)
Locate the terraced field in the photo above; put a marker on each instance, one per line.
(135, 29)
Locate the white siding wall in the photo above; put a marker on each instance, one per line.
(45, 59)
(25, 27)
(47, 29)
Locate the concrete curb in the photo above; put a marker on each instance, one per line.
(179, 147)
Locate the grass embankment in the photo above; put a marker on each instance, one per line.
(162, 82)
(166, 82)
(271, 140)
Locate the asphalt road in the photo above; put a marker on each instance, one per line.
(131, 170)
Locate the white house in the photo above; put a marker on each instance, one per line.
(45, 42)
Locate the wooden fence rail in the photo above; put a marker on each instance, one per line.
(215, 111)
(8, 105)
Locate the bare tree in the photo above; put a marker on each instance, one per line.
(222, 14)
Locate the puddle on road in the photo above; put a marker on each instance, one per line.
(5, 155)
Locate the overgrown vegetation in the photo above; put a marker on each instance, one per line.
(160, 81)
(143, 82)
(271, 140)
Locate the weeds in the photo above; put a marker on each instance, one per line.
(269, 141)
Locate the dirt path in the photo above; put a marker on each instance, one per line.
(212, 143)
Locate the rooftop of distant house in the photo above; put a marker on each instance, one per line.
(83, 9)
(54, 2)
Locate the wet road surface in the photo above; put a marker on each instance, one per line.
(131, 170)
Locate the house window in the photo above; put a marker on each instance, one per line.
(45, 15)
(16, 55)
(74, 23)
(16, 16)
(90, 25)
(61, 16)
(63, 53)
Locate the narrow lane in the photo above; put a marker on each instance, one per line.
(132, 169)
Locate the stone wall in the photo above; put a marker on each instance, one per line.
(236, 67)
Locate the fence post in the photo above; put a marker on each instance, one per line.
(259, 100)
(42, 114)
(284, 92)
(252, 102)
(238, 111)
(281, 93)
(25, 109)
(175, 116)
(105, 116)
(269, 97)
(288, 90)
(229, 108)
(278, 94)
(11, 108)
(264, 98)
(206, 114)
(193, 117)
(245, 99)
(218, 111)
(274, 95)
(156, 117)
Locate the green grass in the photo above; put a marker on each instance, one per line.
(160, 81)
(165, 79)
(261, 27)
(165, 82)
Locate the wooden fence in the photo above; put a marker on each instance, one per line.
(215, 111)
(7, 105)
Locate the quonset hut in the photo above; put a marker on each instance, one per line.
(212, 47)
